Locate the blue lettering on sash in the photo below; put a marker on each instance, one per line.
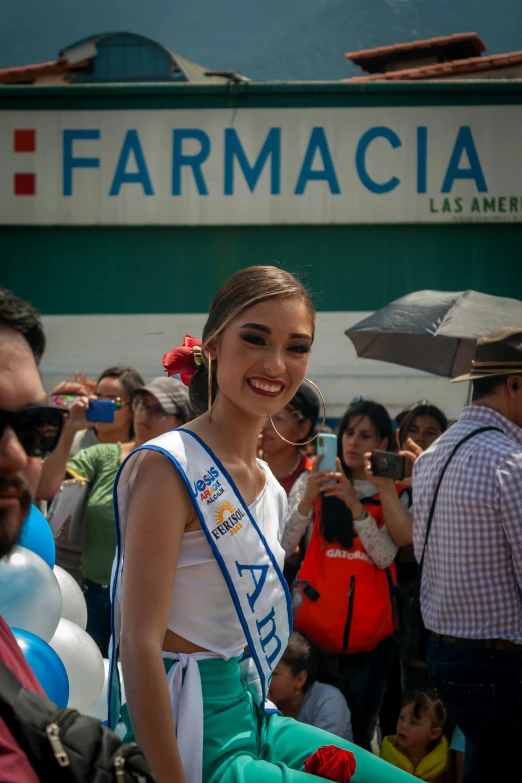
(132, 145)
(263, 569)
(271, 635)
(464, 143)
(208, 480)
(70, 162)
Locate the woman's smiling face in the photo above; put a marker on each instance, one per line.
(262, 355)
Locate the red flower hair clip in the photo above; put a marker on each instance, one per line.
(331, 763)
(185, 360)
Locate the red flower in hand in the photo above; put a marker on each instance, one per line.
(184, 361)
(331, 763)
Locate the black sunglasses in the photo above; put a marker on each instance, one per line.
(37, 427)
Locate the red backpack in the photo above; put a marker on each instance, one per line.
(342, 601)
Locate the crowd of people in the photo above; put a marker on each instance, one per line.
(366, 522)
(95, 452)
(345, 544)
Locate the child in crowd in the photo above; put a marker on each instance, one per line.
(297, 694)
(419, 747)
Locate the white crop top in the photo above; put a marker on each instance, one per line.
(202, 610)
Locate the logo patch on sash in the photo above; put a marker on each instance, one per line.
(208, 488)
(228, 519)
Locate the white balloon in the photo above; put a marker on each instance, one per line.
(121, 731)
(74, 607)
(100, 709)
(83, 662)
(30, 596)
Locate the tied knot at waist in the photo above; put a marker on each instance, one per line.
(186, 697)
(187, 709)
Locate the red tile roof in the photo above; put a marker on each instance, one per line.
(471, 39)
(442, 70)
(27, 73)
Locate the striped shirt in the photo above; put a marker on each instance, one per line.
(472, 576)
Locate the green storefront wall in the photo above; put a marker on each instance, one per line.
(151, 269)
(71, 270)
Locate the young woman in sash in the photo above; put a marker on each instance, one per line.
(199, 564)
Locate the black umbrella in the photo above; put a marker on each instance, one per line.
(434, 331)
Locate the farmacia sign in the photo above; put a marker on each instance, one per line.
(261, 166)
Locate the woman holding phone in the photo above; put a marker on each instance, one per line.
(343, 594)
(115, 384)
(199, 568)
(154, 409)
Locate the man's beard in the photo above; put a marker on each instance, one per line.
(12, 519)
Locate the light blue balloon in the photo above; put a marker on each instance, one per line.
(46, 665)
(36, 535)
(30, 595)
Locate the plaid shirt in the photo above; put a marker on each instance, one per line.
(472, 576)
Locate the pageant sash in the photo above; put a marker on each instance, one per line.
(255, 581)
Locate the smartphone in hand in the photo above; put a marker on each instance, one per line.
(100, 411)
(327, 446)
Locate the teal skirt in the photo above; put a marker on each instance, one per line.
(243, 745)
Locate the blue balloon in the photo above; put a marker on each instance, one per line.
(46, 665)
(37, 536)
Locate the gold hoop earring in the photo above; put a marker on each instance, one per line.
(209, 389)
(306, 442)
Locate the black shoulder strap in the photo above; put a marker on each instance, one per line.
(26, 714)
(10, 687)
(418, 579)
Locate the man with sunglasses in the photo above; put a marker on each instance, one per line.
(29, 429)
